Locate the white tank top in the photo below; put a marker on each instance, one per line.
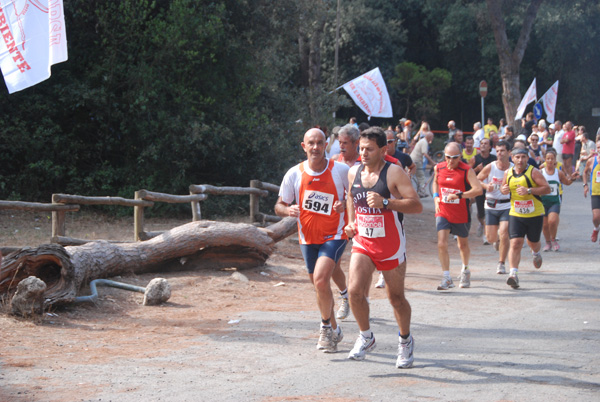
(495, 177)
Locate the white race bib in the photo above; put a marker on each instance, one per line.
(496, 182)
(318, 202)
(598, 176)
(524, 207)
(446, 192)
(370, 226)
(553, 189)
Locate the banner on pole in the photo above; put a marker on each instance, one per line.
(33, 38)
(370, 93)
(549, 100)
(530, 96)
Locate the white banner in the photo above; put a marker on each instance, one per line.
(530, 96)
(549, 100)
(370, 93)
(33, 38)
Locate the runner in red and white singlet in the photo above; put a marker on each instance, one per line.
(380, 193)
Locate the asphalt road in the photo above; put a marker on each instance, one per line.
(487, 343)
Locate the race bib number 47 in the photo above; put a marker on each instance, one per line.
(318, 202)
(370, 226)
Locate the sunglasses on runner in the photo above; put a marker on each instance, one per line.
(390, 141)
(452, 156)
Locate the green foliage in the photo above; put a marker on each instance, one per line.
(161, 94)
(420, 89)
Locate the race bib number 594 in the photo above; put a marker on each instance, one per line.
(318, 202)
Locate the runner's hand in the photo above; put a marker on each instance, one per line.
(521, 190)
(350, 230)
(339, 206)
(294, 211)
(374, 200)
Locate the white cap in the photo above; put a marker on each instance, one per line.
(552, 126)
(522, 137)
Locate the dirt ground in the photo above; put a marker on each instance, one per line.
(119, 323)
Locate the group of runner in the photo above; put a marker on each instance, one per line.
(364, 195)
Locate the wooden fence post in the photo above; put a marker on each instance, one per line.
(196, 212)
(254, 200)
(138, 218)
(58, 222)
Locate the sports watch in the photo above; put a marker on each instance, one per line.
(385, 203)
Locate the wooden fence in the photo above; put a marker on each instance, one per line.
(63, 203)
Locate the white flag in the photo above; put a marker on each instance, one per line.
(530, 96)
(370, 93)
(549, 100)
(33, 38)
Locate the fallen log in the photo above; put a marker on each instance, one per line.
(193, 246)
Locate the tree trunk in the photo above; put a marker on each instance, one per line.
(510, 59)
(193, 246)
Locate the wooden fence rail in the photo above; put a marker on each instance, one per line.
(62, 203)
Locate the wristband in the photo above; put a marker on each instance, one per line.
(585, 184)
(436, 195)
(459, 195)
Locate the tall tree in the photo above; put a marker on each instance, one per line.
(510, 57)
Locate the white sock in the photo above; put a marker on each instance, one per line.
(447, 274)
(465, 267)
(597, 228)
(366, 334)
(514, 271)
(344, 293)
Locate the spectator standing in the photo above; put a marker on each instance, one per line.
(451, 129)
(568, 150)
(489, 127)
(420, 152)
(479, 134)
(556, 144)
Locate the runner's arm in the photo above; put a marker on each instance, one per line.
(284, 209)
(586, 176)
(476, 188)
(350, 228)
(483, 175)
(407, 201)
(505, 189)
(539, 179)
(436, 190)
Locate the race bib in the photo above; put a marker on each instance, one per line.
(446, 192)
(496, 183)
(598, 176)
(553, 189)
(318, 202)
(524, 207)
(370, 226)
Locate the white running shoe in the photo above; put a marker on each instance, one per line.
(446, 284)
(326, 343)
(480, 230)
(501, 270)
(361, 347)
(337, 337)
(344, 309)
(537, 260)
(513, 281)
(405, 354)
(381, 282)
(485, 241)
(465, 279)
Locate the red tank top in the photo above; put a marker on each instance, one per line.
(452, 181)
